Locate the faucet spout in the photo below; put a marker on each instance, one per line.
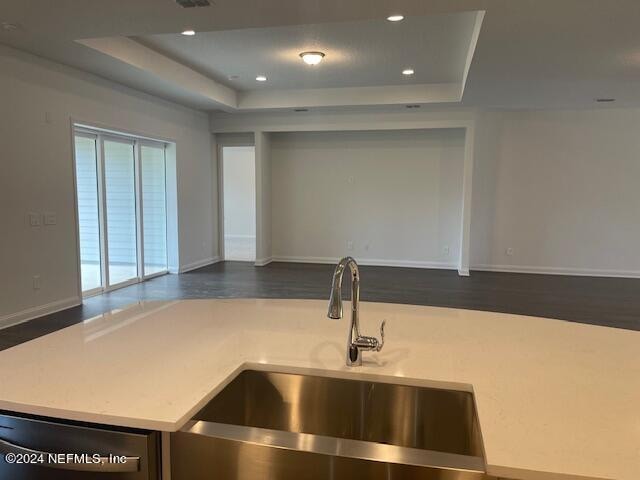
(335, 299)
(356, 343)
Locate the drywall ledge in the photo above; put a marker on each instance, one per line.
(140, 56)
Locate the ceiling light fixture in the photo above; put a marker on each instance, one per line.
(189, 33)
(261, 78)
(395, 18)
(312, 58)
(413, 106)
(408, 71)
(605, 100)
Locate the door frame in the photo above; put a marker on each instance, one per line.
(220, 146)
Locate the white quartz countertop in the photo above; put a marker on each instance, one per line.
(556, 400)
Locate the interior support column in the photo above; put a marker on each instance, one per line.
(263, 198)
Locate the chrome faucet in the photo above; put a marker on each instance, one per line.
(356, 343)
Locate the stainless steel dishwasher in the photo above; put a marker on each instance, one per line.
(38, 448)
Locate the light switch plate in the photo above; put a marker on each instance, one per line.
(50, 218)
(34, 219)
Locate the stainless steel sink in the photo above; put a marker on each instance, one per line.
(278, 426)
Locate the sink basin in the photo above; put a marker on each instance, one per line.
(284, 426)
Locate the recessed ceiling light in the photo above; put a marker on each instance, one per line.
(605, 100)
(408, 71)
(261, 78)
(189, 32)
(395, 18)
(312, 58)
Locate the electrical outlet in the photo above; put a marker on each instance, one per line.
(36, 282)
(34, 219)
(366, 247)
(509, 252)
(349, 244)
(446, 250)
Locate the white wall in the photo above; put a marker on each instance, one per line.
(557, 187)
(239, 191)
(38, 99)
(396, 195)
(561, 188)
(239, 174)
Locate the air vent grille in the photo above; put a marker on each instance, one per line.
(193, 3)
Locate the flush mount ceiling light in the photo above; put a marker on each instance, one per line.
(312, 58)
(189, 32)
(408, 71)
(395, 18)
(605, 100)
(261, 78)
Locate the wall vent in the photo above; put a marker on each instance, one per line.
(193, 3)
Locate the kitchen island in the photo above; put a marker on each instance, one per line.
(554, 399)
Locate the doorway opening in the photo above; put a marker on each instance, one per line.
(239, 203)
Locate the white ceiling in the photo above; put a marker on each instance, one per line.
(363, 53)
(530, 53)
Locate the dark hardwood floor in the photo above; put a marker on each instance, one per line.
(613, 302)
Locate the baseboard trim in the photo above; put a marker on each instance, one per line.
(371, 262)
(580, 272)
(199, 264)
(35, 312)
(263, 261)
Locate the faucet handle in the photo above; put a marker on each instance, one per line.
(381, 342)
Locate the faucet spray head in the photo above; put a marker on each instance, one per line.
(335, 304)
(335, 299)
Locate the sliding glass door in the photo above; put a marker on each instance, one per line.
(88, 212)
(154, 208)
(122, 215)
(120, 203)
